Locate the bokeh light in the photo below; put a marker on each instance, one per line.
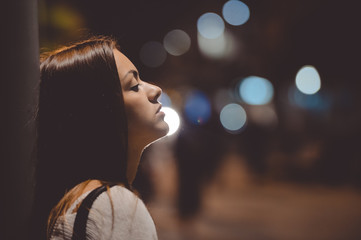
(235, 12)
(64, 17)
(197, 108)
(264, 115)
(308, 80)
(172, 119)
(316, 102)
(164, 99)
(210, 25)
(233, 117)
(256, 90)
(176, 96)
(177, 42)
(221, 47)
(153, 54)
(221, 98)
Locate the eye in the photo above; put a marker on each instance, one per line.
(135, 88)
(135, 74)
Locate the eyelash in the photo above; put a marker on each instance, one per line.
(135, 88)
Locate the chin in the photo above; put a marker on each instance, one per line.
(155, 133)
(161, 132)
(165, 129)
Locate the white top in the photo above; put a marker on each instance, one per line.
(131, 218)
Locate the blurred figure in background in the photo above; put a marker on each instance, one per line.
(198, 152)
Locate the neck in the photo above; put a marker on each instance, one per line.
(134, 155)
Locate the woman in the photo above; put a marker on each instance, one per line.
(95, 117)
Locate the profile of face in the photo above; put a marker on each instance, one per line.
(144, 116)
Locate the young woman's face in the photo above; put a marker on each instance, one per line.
(145, 120)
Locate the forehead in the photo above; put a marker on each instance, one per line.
(124, 65)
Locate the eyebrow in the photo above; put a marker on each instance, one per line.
(135, 73)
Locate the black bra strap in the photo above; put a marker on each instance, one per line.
(79, 229)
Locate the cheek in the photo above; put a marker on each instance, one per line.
(132, 115)
(136, 114)
(140, 113)
(131, 107)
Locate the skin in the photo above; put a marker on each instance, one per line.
(145, 120)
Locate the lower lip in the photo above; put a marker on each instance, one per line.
(161, 113)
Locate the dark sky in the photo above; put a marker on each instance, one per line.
(280, 36)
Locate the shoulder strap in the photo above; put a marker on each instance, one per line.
(79, 229)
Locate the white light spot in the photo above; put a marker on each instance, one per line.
(308, 80)
(210, 25)
(221, 47)
(233, 117)
(235, 12)
(177, 42)
(152, 54)
(172, 119)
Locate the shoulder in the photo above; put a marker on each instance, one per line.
(117, 195)
(121, 208)
(121, 202)
(115, 214)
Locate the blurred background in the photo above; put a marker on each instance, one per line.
(263, 102)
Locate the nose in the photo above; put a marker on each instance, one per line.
(154, 93)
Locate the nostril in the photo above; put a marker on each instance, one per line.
(155, 98)
(154, 92)
(158, 95)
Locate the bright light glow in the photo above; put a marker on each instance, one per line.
(197, 108)
(235, 12)
(256, 90)
(164, 99)
(152, 54)
(233, 117)
(177, 42)
(210, 25)
(172, 119)
(223, 46)
(308, 80)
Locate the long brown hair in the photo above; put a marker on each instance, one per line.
(81, 125)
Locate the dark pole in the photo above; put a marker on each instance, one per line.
(19, 74)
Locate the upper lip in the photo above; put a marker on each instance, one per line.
(160, 106)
